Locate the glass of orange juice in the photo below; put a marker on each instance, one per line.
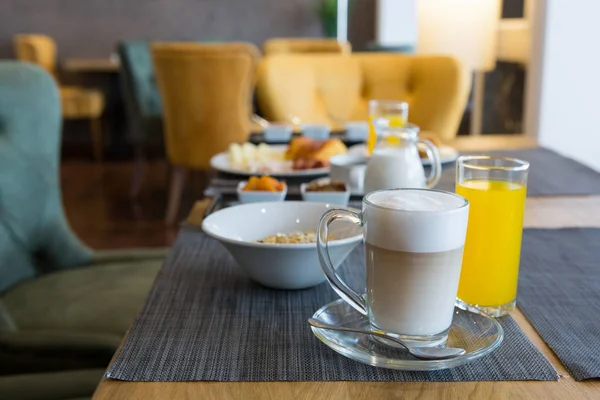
(495, 188)
(396, 112)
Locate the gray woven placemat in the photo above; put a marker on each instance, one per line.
(559, 293)
(550, 174)
(205, 320)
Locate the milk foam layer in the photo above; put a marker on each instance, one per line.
(416, 220)
(416, 200)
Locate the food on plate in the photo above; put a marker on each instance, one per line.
(334, 186)
(302, 153)
(264, 184)
(301, 147)
(432, 137)
(248, 156)
(307, 153)
(295, 237)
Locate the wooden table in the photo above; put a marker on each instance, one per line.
(90, 65)
(542, 212)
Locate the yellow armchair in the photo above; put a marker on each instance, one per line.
(76, 102)
(37, 49)
(206, 92)
(328, 88)
(305, 45)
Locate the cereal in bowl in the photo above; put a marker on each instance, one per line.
(295, 237)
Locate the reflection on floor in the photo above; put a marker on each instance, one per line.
(100, 211)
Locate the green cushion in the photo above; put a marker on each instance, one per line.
(103, 298)
(75, 318)
(68, 385)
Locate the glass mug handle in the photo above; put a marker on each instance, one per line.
(342, 289)
(433, 154)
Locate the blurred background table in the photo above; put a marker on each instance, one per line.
(87, 65)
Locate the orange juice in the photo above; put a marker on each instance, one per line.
(490, 267)
(396, 121)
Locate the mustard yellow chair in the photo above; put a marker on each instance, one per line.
(76, 102)
(206, 93)
(328, 88)
(305, 45)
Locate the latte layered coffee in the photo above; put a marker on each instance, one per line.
(414, 242)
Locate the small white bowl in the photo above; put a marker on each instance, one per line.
(357, 131)
(280, 266)
(336, 198)
(255, 196)
(316, 131)
(278, 132)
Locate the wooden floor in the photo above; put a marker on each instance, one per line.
(101, 212)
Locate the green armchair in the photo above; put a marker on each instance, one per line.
(62, 385)
(142, 103)
(62, 305)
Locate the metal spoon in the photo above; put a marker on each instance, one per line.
(423, 353)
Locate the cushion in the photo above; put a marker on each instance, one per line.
(327, 88)
(67, 385)
(78, 102)
(305, 45)
(101, 298)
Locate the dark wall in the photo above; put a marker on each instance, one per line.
(90, 28)
(361, 24)
(512, 8)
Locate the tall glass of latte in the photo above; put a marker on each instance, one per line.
(414, 242)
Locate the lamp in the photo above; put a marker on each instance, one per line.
(342, 21)
(396, 24)
(467, 30)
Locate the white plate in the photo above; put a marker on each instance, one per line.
(447, 154)
(220, 162)
(476, 333)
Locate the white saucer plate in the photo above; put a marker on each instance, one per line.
(477, 334)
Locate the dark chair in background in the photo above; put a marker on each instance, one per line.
(63, 307)
(142, 104)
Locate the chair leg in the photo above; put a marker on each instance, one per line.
(96, 131)
(138, 171)
(178, 179)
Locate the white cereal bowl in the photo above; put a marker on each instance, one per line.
(340, 198)
(279, 266)
(257, 196)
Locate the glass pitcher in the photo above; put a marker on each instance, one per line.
(395, 111)
(395, 161)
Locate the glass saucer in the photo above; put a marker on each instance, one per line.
(477, 334)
